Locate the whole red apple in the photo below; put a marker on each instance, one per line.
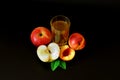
(76, 41)
(40, 36)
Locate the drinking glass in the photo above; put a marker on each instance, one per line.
(60, 26)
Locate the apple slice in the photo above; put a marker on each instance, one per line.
(67, 53)
(48, 53)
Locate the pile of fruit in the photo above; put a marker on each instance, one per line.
(49, 51)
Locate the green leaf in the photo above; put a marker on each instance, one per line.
(55, 64)
(63, 64)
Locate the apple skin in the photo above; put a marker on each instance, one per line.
(76, 41)
(66, 53)
(40, 36)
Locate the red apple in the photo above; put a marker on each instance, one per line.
(76, 41)
(40, 36)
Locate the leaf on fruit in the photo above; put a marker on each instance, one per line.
(55, 64)
(63, 64)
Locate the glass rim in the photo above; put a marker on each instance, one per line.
(67, 19)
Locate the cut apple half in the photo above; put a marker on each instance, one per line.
(66, 53)
(48, 53)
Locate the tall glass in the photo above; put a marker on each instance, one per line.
(60, 26)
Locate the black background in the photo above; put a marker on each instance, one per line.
(97, 21)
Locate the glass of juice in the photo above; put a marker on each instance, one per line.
(60, 26)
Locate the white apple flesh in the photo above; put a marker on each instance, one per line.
(48, 53)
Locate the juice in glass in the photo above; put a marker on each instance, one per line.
(60, 29)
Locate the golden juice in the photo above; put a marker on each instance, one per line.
(60, 31)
